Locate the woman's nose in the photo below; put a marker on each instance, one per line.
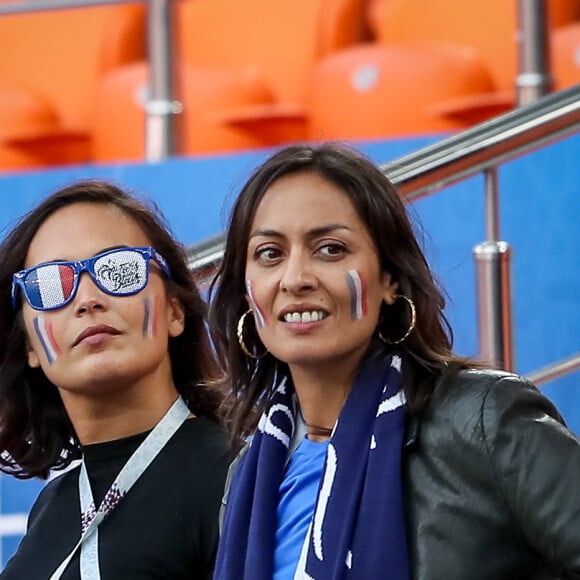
(89, 296)
(298, 275)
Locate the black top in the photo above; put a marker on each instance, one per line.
(165, 528)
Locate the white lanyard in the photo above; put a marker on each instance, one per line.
(131, 472)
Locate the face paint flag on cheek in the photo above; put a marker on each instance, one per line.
(358, 294)
(149, 322)
(45, 333)
(258, 315)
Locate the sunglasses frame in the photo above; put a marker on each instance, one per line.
(87, 265)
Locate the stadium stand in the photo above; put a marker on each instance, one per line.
(254, 74)
(432, 67)
(489, 26)
(246, 68)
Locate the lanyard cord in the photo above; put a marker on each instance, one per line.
(91, 518)
(89, 560)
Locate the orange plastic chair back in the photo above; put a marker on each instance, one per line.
(60, 54)
(208, 95)
(378, 91)
(280, 38)
(489, 26)
(565, 56)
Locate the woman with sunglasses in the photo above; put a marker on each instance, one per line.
(105, 357)
(376, 452)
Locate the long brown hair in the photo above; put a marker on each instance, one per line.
(36, 434)
(427, 350)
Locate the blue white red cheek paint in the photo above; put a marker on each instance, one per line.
(358, 294)
(45, 332)
(149, 317)
(258, 314)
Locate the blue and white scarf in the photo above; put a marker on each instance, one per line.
(357, 530)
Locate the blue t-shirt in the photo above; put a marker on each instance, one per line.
(296, 502)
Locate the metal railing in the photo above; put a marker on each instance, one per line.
(479, 149)
(487, 145)
(555, 370)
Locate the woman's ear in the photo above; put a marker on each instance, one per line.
(176, 318)
(32, 357)
(390, 288)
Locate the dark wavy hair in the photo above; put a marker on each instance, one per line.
(36, 434)
(426, 351)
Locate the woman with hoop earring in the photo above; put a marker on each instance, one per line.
(370, 449)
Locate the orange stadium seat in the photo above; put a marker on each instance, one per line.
(565, 55)
(489, 26)
(378, 91)
(282, 39)
(247, 65)
(25, 115)
(209, 95)
(50, 62)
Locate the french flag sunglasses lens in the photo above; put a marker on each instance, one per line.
(50, 286)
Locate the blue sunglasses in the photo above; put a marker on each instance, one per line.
(118, 272)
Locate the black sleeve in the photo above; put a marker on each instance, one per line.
(536, 463)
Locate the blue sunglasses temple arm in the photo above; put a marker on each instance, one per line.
(161, 261)
(16, 283)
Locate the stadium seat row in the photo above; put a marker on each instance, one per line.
(256, 73)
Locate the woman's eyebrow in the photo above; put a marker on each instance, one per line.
(101, 251)
(314, 232)
(109, 248)
(326, 229)
(266, 233)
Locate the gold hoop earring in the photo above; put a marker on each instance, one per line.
(411, 325)
(240, 331)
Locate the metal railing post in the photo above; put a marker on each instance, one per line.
(492, 260)
(491, 205)
(493, 284)
(161, 104)
(533, 80)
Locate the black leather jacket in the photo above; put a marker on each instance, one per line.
(492, 484)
